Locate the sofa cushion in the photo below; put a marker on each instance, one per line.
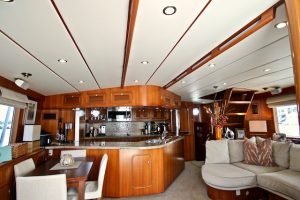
(217, 151)
(281, 153)
(250, 152)
(265, 153)
(295, 157)
(286, 182)
(236, 150)
(227, 176)
(258, 169)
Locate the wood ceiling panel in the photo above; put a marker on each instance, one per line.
(209, 31)
(36, 26)
(14, 61)
(155, 34)
(99, 28)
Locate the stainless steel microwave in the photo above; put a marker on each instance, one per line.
(119, 114)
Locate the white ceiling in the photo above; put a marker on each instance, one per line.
(91, 35)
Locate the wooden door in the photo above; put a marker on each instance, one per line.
(141, 171)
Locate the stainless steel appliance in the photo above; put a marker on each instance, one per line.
(45, 138)
(102, 129)
(119, 114)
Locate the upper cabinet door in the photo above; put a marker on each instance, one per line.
(72, 100)
(95, 99)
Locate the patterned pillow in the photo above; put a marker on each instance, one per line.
(258, 154)
(250, 152)
(265, 153)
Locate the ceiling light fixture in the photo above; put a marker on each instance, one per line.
(266, 70)
(145, 62)
(81, 81)
(136, 81)
(211, 65)
(169, 10)
(224, 83)
(22, 83)
(62, 60)
(183, 82)
(281, 25)
(7, 0)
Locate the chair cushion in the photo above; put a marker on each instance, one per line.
(286, 182)
(91, 190)
(281, 153)
(217, 151)
(258, 169)
(227, 176)
(295, 157)
(235, 148)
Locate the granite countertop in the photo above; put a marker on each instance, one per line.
(117, 136)
(116, 145)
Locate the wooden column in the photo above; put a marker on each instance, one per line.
(293, 14)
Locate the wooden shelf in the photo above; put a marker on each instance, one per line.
(239, 102)
(231, 114)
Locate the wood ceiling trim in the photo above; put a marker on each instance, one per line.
(77, 47)
(237, 37)
(179, 40)
(23, 48)
(132, 13)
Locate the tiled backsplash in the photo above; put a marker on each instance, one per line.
(120, 128)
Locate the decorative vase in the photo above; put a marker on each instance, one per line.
(67, 160)
(218, 133)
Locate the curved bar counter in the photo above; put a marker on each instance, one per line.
(134, 168)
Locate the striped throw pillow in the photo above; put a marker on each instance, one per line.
(250, 152)
(265, 153)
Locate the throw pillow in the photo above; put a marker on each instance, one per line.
(235, 148)
(281, 153)
(217, 151)
(250, 152)
(265, 153)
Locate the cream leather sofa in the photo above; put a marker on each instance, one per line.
(224, 168)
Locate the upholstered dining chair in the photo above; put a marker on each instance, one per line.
(74, 153)
(52, 187)
(93, 189)
(24, 167)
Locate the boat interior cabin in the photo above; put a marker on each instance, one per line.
(149, 99)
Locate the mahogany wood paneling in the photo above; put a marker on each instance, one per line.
(7, 177)
(126, 96)
(68, 116)
(145, 178)
(50, 125)
(293, 14)
(173, 162)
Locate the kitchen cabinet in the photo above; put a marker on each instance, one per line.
(72, 100)
(95, 99)
(142, 166)
(153, 96)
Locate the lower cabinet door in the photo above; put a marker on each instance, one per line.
(142, 171)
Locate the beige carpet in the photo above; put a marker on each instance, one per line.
(188, 185)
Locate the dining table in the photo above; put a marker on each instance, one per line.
(76, 176)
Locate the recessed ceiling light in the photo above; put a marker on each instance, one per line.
(211, 65)
(266, 70)
(169, 10)
(62, 60)
(183, 82)
(280, 25)
(136, 81)
(81, 81)
(7, 0)
(145, 62)
(224, 83)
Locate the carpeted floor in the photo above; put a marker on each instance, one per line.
(188, 185)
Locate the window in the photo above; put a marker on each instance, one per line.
(6, 122)
(287, 120)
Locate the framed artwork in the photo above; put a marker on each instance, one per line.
(30, 112)
(240, 133)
